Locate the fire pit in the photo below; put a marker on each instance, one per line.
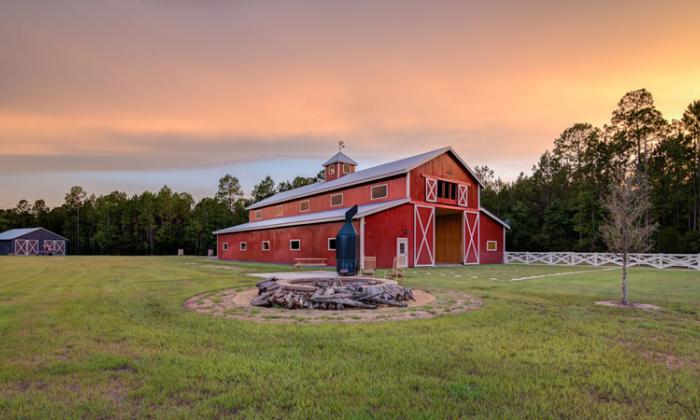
(331, 293)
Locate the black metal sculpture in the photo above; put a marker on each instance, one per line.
(346, 246)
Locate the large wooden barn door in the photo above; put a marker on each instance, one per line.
(424, 236)
(26, 247)
(471, 237)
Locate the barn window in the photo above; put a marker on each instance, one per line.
(304, 205)
(492, 245)
(346, 168)
(337, 200)
(379, 191)
(279, 211)
(331, 244)
(225, 246)
(294, 244)
(447, 190)
(257, 214)
(331, 169)
(243, 246)
(265, 245)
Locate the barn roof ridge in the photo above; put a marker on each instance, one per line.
(384, 170)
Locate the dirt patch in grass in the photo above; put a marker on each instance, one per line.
(670, 360)
(633, 305)
(235, 304)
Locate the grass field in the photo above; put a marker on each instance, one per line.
(108, 337)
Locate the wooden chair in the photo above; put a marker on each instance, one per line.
(369, 266)
(397, 268)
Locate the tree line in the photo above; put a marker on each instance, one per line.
(150, 223)
(557, 207)
(560, 205)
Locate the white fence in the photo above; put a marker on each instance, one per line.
(597, 259)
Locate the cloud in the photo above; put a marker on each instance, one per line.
(166, 86)
(168, 151)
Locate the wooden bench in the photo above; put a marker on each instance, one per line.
(310, 262)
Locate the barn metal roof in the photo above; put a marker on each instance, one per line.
(11, 234)
(385, 170)
(15, 233)
(339, 157)
(320, 217)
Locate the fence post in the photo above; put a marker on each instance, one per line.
(595, 259)
(527, 257)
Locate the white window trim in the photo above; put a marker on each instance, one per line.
(329, 244)
(262, 246)
(243, 246)
(492, 242)
(331, 169)
(347, 165)
(330, 200)
(371, 191)
(280, 212)
(224, 246)
(290, 245)
(308, 209)
(257, 214)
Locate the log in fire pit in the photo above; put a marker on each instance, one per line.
(331, 293)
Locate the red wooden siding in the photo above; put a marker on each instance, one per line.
(490, 230)
(351, 196)
(381, 231)
(447, 168)
(314, 243)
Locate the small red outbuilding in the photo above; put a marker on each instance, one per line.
(424, 208)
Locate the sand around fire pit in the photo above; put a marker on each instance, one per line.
(235, 304)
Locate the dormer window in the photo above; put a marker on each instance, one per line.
(331, 169)
(347, 168)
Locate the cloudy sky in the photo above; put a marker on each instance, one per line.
(131, 95)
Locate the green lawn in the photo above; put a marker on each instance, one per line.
(108, 337)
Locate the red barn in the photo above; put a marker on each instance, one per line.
(425, 207)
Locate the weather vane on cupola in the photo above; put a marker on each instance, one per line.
(341, 145)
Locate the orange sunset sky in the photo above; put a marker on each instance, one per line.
(131, 95)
